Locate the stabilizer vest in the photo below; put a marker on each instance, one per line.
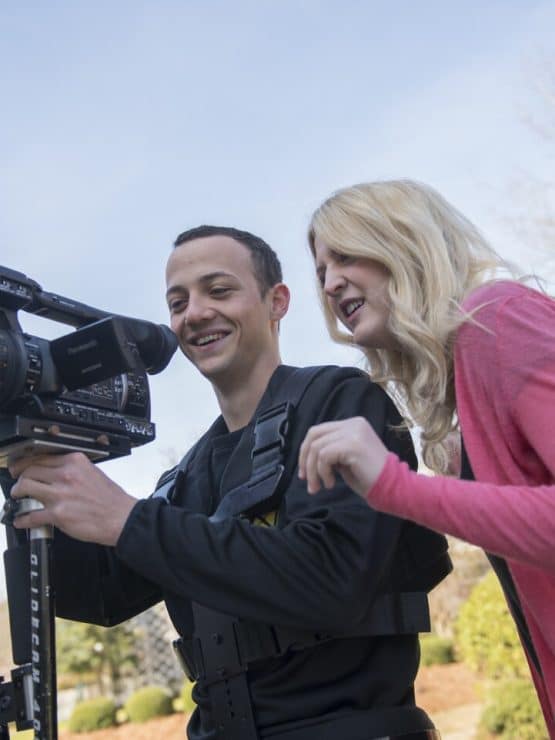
(223, 647)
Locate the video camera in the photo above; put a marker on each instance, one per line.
(86, 390)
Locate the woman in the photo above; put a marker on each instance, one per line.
(420, 292)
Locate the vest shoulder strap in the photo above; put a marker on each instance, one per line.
(168, 485)
(265, 439)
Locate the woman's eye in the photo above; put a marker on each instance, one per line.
(343, 258)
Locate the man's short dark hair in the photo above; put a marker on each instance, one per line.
(266, 265)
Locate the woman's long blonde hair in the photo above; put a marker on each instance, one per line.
(435, 257)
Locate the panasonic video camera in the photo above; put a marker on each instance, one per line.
(86, 390)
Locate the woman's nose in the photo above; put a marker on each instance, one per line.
(333, 282)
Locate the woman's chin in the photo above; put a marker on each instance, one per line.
(371, 338)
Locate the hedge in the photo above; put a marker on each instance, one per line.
(486, 636)
(435, 650)
(148, 702)
(187, 702)
(93, 714)
(513, 712)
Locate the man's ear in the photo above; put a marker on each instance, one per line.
(279, 298)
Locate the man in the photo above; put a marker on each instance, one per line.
(302, 629)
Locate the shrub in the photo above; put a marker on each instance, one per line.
(435, 650)
(485, 634)
(187, 702)
(121, 716)
(93, 714)
(513, 712)
(149, 702)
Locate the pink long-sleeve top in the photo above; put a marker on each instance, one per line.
(505, 391)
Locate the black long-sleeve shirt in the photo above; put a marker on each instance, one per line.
(319, 569)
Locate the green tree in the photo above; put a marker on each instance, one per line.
(108, 653)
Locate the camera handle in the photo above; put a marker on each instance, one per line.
(30, 699)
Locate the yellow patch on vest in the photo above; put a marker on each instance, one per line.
(266, 520)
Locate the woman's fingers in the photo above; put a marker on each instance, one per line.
(312, 438)
(329, 459)
(319, 464)
(324, 450)
(350, 448)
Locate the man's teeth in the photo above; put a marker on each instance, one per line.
(352, 306)
(208, 338)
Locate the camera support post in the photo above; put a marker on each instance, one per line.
(16, 697)
(30, 699)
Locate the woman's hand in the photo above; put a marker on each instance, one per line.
(350, 448)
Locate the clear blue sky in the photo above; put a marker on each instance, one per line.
(125, 123)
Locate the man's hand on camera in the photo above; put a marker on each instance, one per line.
(77, 496)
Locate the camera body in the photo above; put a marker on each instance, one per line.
(87, 390)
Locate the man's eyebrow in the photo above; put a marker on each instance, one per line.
(217, 274)
(203, 280)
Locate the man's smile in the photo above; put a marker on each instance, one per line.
(203, 339)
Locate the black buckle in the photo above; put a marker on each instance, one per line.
(222, 657)
(270, 432)
(214, 648)
(264, 492)
(260, 493)
(189, 655)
